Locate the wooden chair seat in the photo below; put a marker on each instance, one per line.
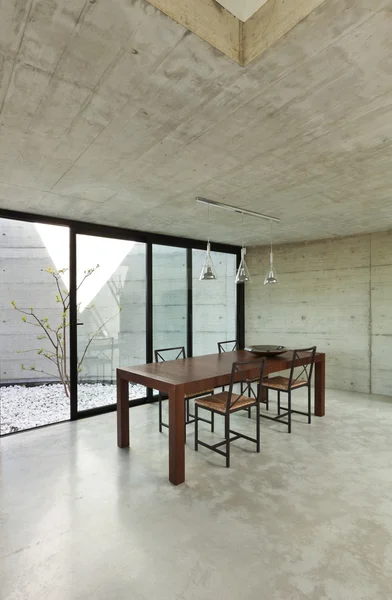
(202, 393)
(226, 403)
(282, 383)
(218, 402)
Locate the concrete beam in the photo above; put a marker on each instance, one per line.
(207, 19)
(241, 41)
(271, 22)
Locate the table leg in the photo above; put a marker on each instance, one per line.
(319, 388)
(122, 412)
(176, 435)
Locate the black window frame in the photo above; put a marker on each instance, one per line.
(149, 239)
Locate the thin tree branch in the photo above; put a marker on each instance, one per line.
(94, 336)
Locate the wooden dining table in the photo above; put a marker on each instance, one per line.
(190, 376)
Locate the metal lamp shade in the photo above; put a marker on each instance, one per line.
(243, 275)
(208, 272)
(271, 276)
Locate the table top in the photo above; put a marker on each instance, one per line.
(211, 369)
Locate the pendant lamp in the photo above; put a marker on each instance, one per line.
(271, 275)
(208, 272)
(243, 275)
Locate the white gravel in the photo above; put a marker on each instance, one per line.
(22, 407)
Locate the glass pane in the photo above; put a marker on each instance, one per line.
(111, 297)
(214, 303)
(169, 297)
(34, 326)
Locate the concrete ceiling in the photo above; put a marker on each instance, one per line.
(111, 112)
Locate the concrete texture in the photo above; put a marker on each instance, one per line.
(113, 113)
(309, 518)
(335, 294)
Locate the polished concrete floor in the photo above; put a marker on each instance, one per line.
(308, 517)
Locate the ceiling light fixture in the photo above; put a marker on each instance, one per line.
(271, 276)
(208, 272)
(243, 275)
(242, 211)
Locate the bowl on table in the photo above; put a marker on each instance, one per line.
(266, 350)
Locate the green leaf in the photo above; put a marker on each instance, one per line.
(24, 319)
(58, 299)
(13, 303)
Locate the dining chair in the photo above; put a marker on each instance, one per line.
(293, 382)
(178, 353)
(227, 403)
(230, 346)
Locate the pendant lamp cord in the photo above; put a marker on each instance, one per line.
(242, 229)
(208, 223)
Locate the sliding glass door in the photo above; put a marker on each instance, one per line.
(79, 300)
(169, 284)
(214, 303)
(111, 321)
(34, 325)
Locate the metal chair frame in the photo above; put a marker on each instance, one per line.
(179, 354)
(308, 371)
(236, 346)
(238, 369)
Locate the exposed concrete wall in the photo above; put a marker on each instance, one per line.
(336, 294)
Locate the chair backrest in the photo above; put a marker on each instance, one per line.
(228, 346)
(248, 372)
(165, 354)
(307, 370)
